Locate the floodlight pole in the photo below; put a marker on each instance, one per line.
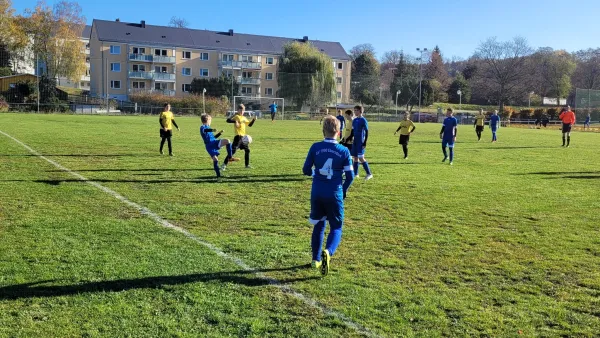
(37, 66)
(397, 93)
(420, 79)
(459, 92)
(203, 103)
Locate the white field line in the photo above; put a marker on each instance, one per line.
(147, 212)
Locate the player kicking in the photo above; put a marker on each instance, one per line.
(241, 122)
(568, 119)
(346, 139)
(360, 133)
(479, 124)
(448, 134)
(406, 128)
(494, 125)
(212, 143)
(329, 160)
(167, 121)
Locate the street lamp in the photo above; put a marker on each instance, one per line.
(459, 92)
(203, 104)
(397, 93)
(420, 78)
(530, 98)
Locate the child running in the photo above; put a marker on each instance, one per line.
(329, 160)
(212, 143)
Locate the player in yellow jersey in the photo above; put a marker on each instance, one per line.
(167, 121)
(406, 128)
(241, 122)
(479, 124)
(346, 139)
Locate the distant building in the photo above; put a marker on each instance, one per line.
(134, 57)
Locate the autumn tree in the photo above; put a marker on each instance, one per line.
(12, 37)
(553, 70)
(436, 69)
(365, 78)
(587, 72)
(55, 34)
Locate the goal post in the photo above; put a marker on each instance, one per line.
(260, 104)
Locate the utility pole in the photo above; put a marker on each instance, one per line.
(420, 79)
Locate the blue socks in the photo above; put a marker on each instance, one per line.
(217, 170)
(451, 154)
(444, 151)
(355, 165)
(494, 138)
(333, 240)
(367, 169)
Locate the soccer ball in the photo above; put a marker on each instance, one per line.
(247, 139)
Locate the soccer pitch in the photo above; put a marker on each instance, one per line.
(504, 243)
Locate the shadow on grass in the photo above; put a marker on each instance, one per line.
(554, 173)
(137, 170)
(393, 163)
(247, 278)
(226, 180)
(78, 155)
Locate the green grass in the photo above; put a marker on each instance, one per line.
(505, 241)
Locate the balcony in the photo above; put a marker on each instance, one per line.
(151, 58)
(152, 76)
(249, 81)
(239, 65)
(166, 92)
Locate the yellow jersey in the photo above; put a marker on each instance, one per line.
(480, 120)
(243, 122)
(347, 128)
(166, 120)
(406, 127)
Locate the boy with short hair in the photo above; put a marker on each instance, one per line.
(273, 108)
(241, 122)
(342, 120)
(213, 144)
(330, 160)
(479, 124)
(494, 125)
(448, 134)
(346, 139)
(167, 121)
(360, 133)
(406, 128)
(568, 119)
(586, 124)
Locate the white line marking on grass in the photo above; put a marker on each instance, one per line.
(147, 212)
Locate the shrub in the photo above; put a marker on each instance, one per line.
(3, 105)
(507, 113)
(191, 104)
(538, 113)
(553, 113)
(526, 114)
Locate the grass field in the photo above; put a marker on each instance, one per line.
(504, 243)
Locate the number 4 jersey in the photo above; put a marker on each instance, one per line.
(330, 160)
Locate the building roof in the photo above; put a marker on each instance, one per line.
(141, 33)
(87, 31)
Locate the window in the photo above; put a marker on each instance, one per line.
(339, 80)
(186, 71)
(160, 69)
(247, 58)
(268, 91)
(228, 73)
(12, 85)
(138, 85)
(87, 60)
(270, 61)
(204, 56)
(115, 84)
(204, 72)
(139, 50)
(160, 86)
(87, 46)
(340, 65)
(246, 75)
(227, 57)
(186, 87)
(246, 90)
(339, 95)
(160, 52)
(87, 72)
(269, 76)
(115, 67)
(186, 55)
(115, 49)
(139, 68)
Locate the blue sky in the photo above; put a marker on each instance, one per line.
(457, 26)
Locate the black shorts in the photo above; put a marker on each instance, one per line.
(404, 139)
(237, 143)
(566, 128)
(478, 128)
(166, 134)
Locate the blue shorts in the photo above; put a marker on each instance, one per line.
(327, 208)
(213, 148)
(357, 150)
(448, 143)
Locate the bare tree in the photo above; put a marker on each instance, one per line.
(179, 22)
(361, 49)
(587, 73)
(503, 66)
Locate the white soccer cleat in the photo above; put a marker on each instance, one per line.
(368, 177)
(223, 167)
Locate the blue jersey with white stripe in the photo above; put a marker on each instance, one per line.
(342, 121)
(329, 160)
(450, 124)
(494, 122)
(207, 136)
(360, 127)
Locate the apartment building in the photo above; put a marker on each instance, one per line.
(132, 57)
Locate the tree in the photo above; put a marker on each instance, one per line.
(503, 67)
(554, 70)
(305, 75)
(12, 37)
(436, 69)
(358, 50)
(178, 22)
(55, 34)
(406, 80)
(215, 87)
(365, 78)
(587, 72)
(5, 71)
(459, 83)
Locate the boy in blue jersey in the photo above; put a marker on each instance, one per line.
(330, 161)
(448, 134)
(273, 108)
(342, 120)
(586, 124)
(360, 134)
(494, 125)
(213, 144)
